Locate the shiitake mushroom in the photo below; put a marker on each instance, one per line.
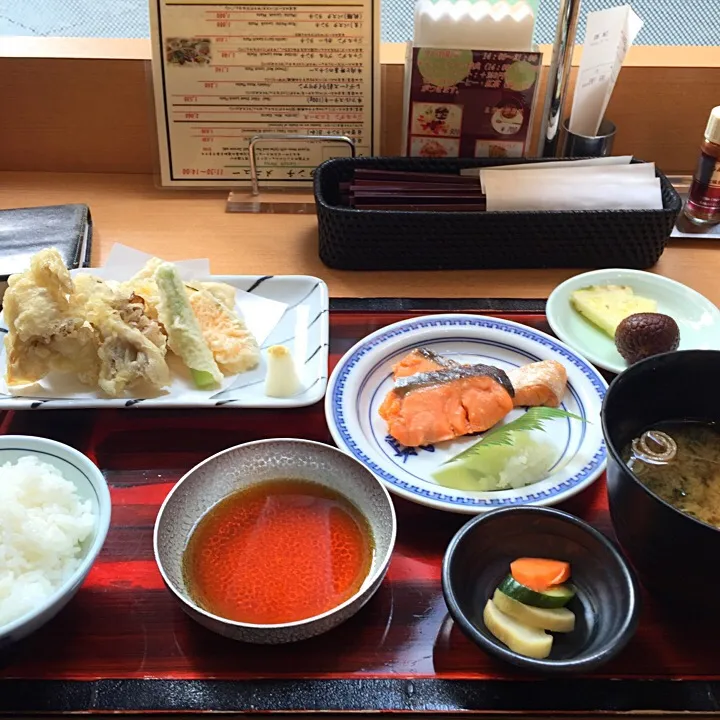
(641, 335)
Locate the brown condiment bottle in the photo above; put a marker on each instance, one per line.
(703, 204)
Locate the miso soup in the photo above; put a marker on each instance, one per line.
(680, 462)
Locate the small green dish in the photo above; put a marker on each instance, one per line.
(697, 318)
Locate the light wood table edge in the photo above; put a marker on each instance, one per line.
(180, 224)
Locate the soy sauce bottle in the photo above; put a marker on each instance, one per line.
(703, 204)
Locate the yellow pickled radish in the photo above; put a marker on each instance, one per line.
(552, 619)
(528, 641)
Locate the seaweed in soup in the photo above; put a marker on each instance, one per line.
(680, 462)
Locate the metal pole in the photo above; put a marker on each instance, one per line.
(558, 78)
(288, 137)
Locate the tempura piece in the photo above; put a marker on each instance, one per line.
(233, 346)
(220, 291)
(47, 328)
(143, 284)
(128, 357)
(282, 380)
(185, 337)
(133, 345)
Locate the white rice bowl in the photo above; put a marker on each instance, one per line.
(43, 523)
(90, 485)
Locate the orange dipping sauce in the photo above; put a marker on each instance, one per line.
(278, 552)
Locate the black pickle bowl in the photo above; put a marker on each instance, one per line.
(669, 549)
(606, 606)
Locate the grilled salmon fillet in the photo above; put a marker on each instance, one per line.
(539, 383)
(420, 360)
(429, 407)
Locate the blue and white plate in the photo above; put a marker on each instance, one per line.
(363, 377)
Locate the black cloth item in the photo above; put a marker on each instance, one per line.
(26, 231)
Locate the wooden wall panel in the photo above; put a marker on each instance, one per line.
(73, 114)
(76, 115)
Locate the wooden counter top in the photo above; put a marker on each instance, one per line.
(176, 225)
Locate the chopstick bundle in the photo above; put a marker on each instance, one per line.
(397, 190)
(413, 177)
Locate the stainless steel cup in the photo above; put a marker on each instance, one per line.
(599, 145)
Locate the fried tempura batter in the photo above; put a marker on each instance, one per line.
(233, 346)
(222, 292)
(132, 345)
(108, 333)
(47, 328)
(143, 285)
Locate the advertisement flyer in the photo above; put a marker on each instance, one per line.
(470, 103)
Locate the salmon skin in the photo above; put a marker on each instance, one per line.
(444, 402)
(421, 360)
(539, 383)
(407, 384)
(431, 357)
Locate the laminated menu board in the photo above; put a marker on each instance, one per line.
(224, 72)
(469, 103)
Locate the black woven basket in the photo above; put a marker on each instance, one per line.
(400, 240)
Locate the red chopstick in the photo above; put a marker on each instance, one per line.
(404, 176)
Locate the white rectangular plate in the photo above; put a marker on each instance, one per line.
(303, 328)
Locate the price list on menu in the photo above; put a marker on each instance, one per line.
(225, 72)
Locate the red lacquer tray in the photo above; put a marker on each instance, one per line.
(124, 645)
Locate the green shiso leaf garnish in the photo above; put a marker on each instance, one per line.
(534, 419)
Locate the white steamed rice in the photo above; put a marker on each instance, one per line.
(43, 521)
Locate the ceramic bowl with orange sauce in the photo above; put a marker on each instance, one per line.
(276, 540)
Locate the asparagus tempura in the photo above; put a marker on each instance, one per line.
(184, 335)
